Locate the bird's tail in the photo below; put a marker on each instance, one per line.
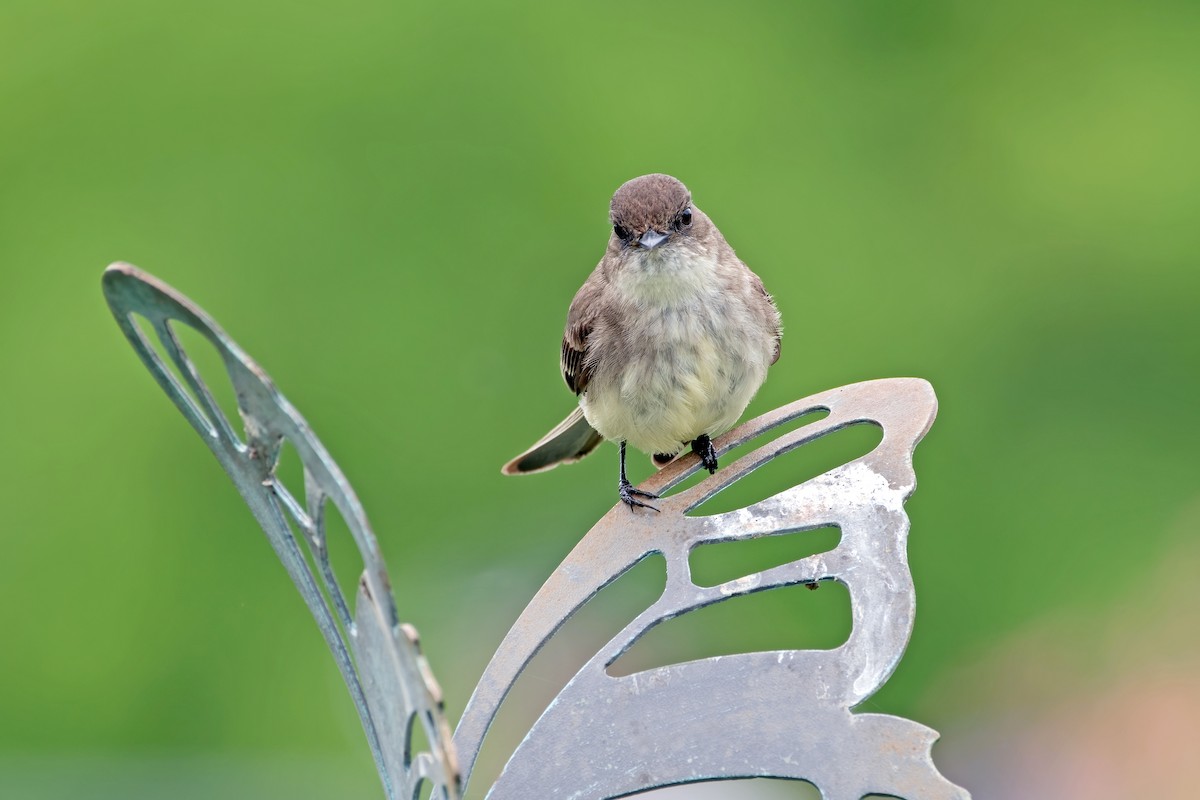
(571, 440)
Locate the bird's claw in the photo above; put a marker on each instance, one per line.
(627, 491)
(703, 447)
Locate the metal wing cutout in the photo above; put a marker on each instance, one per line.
(782, 714)
(379, 657)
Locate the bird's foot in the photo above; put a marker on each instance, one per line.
(628, 492)
(703, 447)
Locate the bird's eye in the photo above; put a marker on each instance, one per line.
(621, 232)
(685, 217)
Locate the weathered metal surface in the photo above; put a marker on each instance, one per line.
(379, 658)
(783, 714)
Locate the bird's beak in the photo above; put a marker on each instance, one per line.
(652, 239)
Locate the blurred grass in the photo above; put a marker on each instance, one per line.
(390, 205)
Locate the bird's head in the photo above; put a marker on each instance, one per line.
(651, 213)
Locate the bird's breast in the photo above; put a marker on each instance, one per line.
(685, 360)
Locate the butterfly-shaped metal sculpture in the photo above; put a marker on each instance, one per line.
(783, 713)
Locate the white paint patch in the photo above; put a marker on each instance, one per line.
(858, 480)
(741, 585)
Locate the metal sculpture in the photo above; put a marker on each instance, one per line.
(379, 657)
(784, 713)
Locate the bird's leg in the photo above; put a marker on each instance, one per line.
(626, 490)
(703, 447)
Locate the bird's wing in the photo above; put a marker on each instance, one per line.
(576, 367)
(775, 321)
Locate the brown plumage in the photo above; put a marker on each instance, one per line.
(667, 340)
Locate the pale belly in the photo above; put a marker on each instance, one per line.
(662, 399)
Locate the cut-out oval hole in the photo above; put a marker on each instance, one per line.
(742, 789)
(341, 565)
(415, 742)
(717, 562)
(783, 618)
(794, 468)
(288, 472)
(150, 337)
(581, 637)
(345, 558)
(209, 364)
(799, 421)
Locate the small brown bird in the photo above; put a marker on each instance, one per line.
(666, 342)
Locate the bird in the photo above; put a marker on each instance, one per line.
(666, 342)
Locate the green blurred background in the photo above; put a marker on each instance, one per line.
(389, 205)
